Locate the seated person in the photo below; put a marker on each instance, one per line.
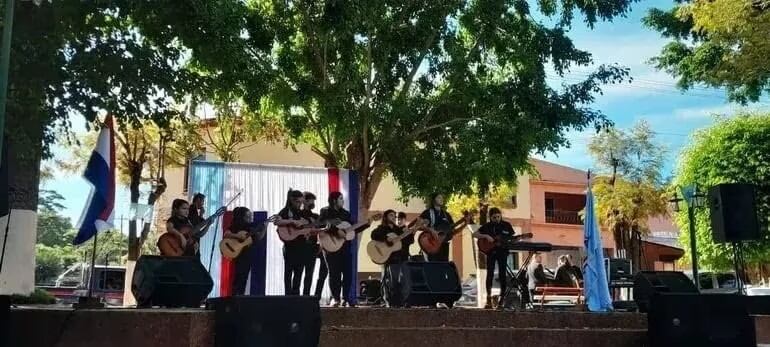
(563, 277)
(536, 274)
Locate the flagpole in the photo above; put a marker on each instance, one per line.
(91, 277)
(5, 57)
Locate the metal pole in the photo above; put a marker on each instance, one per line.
(5, 57)
(693, 250)
(91, 275)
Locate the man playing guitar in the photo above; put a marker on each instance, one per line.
(493, 230)
(440, 220)
(340, 261)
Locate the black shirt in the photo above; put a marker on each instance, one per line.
(293, 214)
(180, 223)
(381, 234)
(503, 229)
(341, 215)
(311, 217)
(441, 221)
(194, 217)
(183, 225)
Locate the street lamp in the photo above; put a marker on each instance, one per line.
(695, 199)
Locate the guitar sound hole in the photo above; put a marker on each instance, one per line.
(230, 247)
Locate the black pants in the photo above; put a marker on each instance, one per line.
(242, 269)
(323, 272)
(340, 268)
(499, 258)
(442, 254)
(307, 282)
(394, 281)
(293, 265)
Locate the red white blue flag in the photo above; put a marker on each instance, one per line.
(100, 173)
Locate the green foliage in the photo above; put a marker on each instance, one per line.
(629, 186)
(440, 94)
(499, 196)
(38, 297)
(53, 229)
(50, 261)
(719, 43)
(734, 150)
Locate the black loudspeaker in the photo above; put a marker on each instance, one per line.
(266, 321)
(618, 269)
(429, 283)
(170, 281)
(648, 283)
(677, 319)
(733, 213)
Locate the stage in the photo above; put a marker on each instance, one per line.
(370, 327)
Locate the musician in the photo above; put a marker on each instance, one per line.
(294, 251)
(340, 263)
(179, 223)
(390, 228)
(439, 219)
(496, 228)
(196, 209)
(314, 252)
(536, 274)
(242, 221)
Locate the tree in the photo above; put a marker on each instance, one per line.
(499, 196)
(629, 187)
(439, 94)
(718, 43)
(143, 152)
(70, 59)
(733, 150)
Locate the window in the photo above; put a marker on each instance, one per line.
(727, 281)
(706, 281)
(111, 280)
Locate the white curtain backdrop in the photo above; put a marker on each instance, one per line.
(264, 189)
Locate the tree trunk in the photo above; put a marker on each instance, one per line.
(24, 141)
(133, 186)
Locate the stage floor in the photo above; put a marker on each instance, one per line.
(369, 327)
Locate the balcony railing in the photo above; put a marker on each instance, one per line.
(563, 217)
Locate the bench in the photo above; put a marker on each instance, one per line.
(558, 293)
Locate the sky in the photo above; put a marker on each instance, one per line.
(652, 96)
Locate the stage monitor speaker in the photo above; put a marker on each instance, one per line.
(618, 269)
(734, 213)
(704, 320)
(428, 283)
(170, 281)
(266, 321)
(647, 283)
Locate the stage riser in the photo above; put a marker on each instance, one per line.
(391, 318)
(478, 337)
(341, 327)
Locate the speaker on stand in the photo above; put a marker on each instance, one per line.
(734, 220)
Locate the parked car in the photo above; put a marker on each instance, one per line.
(108, 284)
(714, 282)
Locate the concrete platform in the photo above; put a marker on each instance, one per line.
(367, 327)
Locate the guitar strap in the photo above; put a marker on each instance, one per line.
(432, 217)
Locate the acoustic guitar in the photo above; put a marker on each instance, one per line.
(380, 251)
(486, 246)
(430, 241)
(291, 232)
(331, 242)
(171, 245)
(231, 248)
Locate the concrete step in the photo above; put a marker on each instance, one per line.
(480, 337)
(476, 318)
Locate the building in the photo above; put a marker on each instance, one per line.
(547, 205)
